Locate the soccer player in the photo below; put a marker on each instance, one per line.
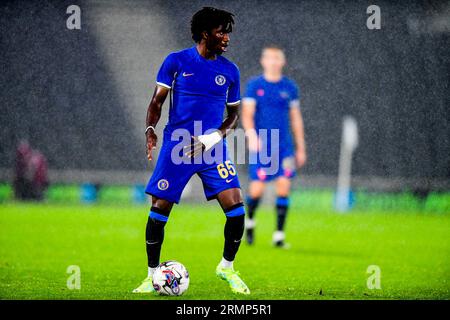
(201, 82)
(272, 102)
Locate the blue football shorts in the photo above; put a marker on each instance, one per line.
(170, 178)
(284, 167)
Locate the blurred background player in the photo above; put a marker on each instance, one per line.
(272, 102)
(30, 176)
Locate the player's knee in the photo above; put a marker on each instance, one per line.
(161, 204)
(283, 187)
(283, 191)
(230, 197)
(256, 189)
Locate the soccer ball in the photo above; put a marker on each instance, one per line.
(171, 278)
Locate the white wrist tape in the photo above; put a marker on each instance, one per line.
(148, 128)
(209, 140)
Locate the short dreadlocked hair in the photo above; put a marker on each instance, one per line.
(209, 18)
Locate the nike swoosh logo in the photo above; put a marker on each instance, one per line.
(229, 180)
(237, 240)
(187, 74)
(148, 242)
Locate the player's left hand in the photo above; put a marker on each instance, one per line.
(194, 149)
(152, 139)
(300, 157)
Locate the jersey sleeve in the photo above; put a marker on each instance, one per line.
(295, 96)
(167, 71)
(250, 91)
(234, 91)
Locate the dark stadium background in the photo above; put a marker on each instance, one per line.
(80, 96)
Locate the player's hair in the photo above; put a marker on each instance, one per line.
(272, 46)
(209, 18)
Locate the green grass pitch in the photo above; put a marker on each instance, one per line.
(329, 257)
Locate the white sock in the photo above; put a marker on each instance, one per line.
(151, 271)
(278, 236)
(250, 223)
(226, 264)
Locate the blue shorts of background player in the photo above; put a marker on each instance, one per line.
(169, 178)
(285, 167)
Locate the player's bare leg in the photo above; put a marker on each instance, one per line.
(232, 204)
(256, 191)
(283, 187)
(154, 237)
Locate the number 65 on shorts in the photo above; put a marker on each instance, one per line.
(169, 179)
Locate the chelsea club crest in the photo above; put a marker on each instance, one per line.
(220, 80)
(163, 184)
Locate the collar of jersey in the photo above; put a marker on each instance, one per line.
(202, 58)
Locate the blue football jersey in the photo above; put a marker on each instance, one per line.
(200, 89)
(273, 102)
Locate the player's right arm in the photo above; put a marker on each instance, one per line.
(164, 81)
(248, 118)
(153, 115)
(248, 122)
(297, 127)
